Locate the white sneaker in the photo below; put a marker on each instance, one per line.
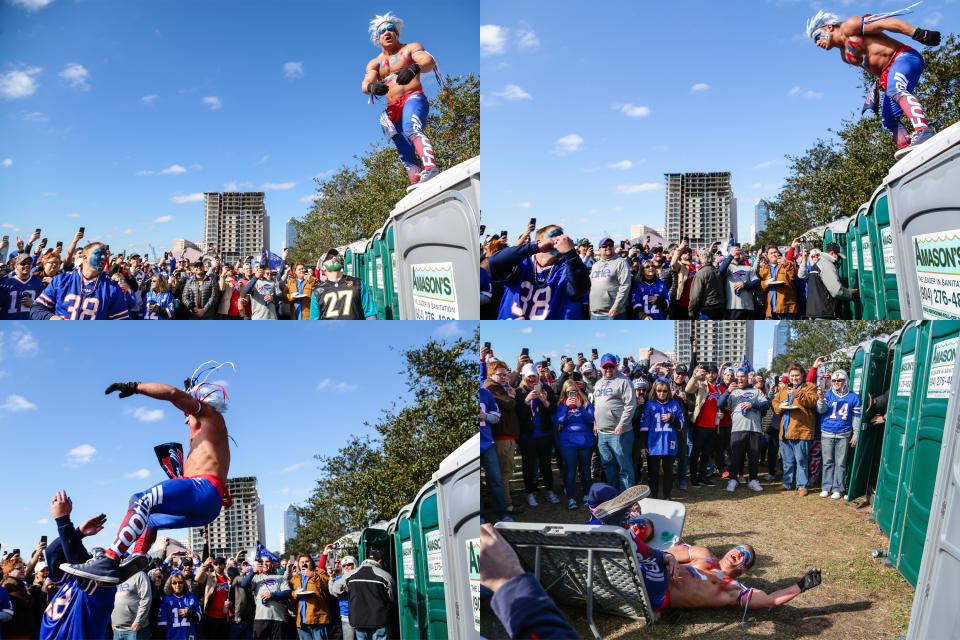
(836, 495)
(532, 501)
(755, 485)
(769, 477)
(824, 494)
(731, 485)
(509, 508)
(552, 498)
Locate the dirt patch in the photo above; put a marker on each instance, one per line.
(859, 598)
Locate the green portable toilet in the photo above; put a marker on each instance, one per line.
(409, 607)
(853, 260)
(428, 558)
(884, 257)
(388, 261)
(898, 412)
(868, 294)
(868, 370)
(379, 539)
(375, 273)
(939, 341)
(348, 265)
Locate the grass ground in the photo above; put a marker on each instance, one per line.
(859, 598)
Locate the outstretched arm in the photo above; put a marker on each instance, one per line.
(159, 391)
(761, 600)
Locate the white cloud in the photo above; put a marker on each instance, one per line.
(76, 75)
(512, 92)
(149, 99)
(635, 111)
(42, 521)
(163, 219)
(81, 454)
(700, 86)
(49, 194)
(275, 186)
(264, 158)
(323, 384)
(600, 335)
(526, 330)
(808, 94)
(293, 70)
(524, 205)
(933, 20)
(639, 188)
(623, 164)
(294, 467)
(36, 116)
(568, 144)
(128, 232)
(341, 387)
(312, 198)
(285, 491)
(764, 165)
(24, 344)
(19, 84)
(32, 5)
(493, 38)
(344, 387)
(73, 215)
(7, 162)
(528, 39)
(230, 186)
(448, 330)
(174, 168)
(213, 101)
(147, 415)
(192, 197)
(15, 403)
(763, 186)
(139, 474)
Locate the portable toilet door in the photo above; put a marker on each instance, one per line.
(388, 260)
(898, 411)
(348, 266)
(884, 254)
(376, 275)
(853, 260)
(934, 613)
(868, 294)
(458, 485)
(426, 534)
(941, 355)
(867, 381)
(408, 603)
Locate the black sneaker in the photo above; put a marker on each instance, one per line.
(132, 565)
(696, 484)
(615, 510)
(103, 570)
(707, 483)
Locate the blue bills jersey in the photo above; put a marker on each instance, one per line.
(841, 410)
(80, 610)
(178, 628)
(68, 295)
(643, 292)
(164, 302)
(488, 405)
(13, 291)
(533, 293)
(660, 436)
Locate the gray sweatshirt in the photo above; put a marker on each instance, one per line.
(610, 283)
(742, 273)
(731, 400)
(274, 608)
(614, 403)
(131, 605)
(830, 278)
(259, 308)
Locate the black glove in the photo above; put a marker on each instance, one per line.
(407, 74)
(929, 38)
(809, 581)
(377, 88)
(126, 389)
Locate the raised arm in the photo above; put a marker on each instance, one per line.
(371, 79)
(760, 600)
(159, 391)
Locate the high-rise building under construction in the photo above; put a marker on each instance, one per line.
(701, 207)
(236, 224)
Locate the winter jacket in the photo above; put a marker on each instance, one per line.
(509, 426)
(369, 590)
(207, 577)
(781, 298)
(682, 273)
(697, 392)
(575, 426)
(824, 290)
(201, 294)
(311, 607)
(291, 290)
(706, 291)
(528, 416)
(242, 599)
(797, 424)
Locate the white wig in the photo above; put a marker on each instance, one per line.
(379, 20)
(209, 393)
(822, 19)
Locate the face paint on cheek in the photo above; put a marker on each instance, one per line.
(98, 258)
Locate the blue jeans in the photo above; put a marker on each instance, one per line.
(130, 634)
(241, 630)
(615, 452)
(313, 632)
(834, 447)
(381, 633)
(796, 459)
(572, 456)
(491, 467)
(619, 316)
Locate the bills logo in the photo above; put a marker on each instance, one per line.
(815, 459)
(913, 109)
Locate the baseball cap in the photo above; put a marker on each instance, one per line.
(814, 252)
(583, 242)
(605, 240)
(23, 257)
(681, 369)
(834, 248)
(373, 554)
(839, 374)
(712, 368)
(587, 366)
(640, 383)
(529, 370)
(348, 560)
(608, 358)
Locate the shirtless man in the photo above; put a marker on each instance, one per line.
(395, 73)
(685, 576)
(863, 43)
(193, 500)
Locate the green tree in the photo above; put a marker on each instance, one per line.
(371, 478)
(355, 201)
(840, 172)
(811, 339)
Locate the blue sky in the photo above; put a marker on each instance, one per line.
(116, 115)
(554, 339)
(293, 395)
(584, 111)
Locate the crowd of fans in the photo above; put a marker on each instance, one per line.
(52, 283)
(612, 419)
(182, 596)
(546, 275)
